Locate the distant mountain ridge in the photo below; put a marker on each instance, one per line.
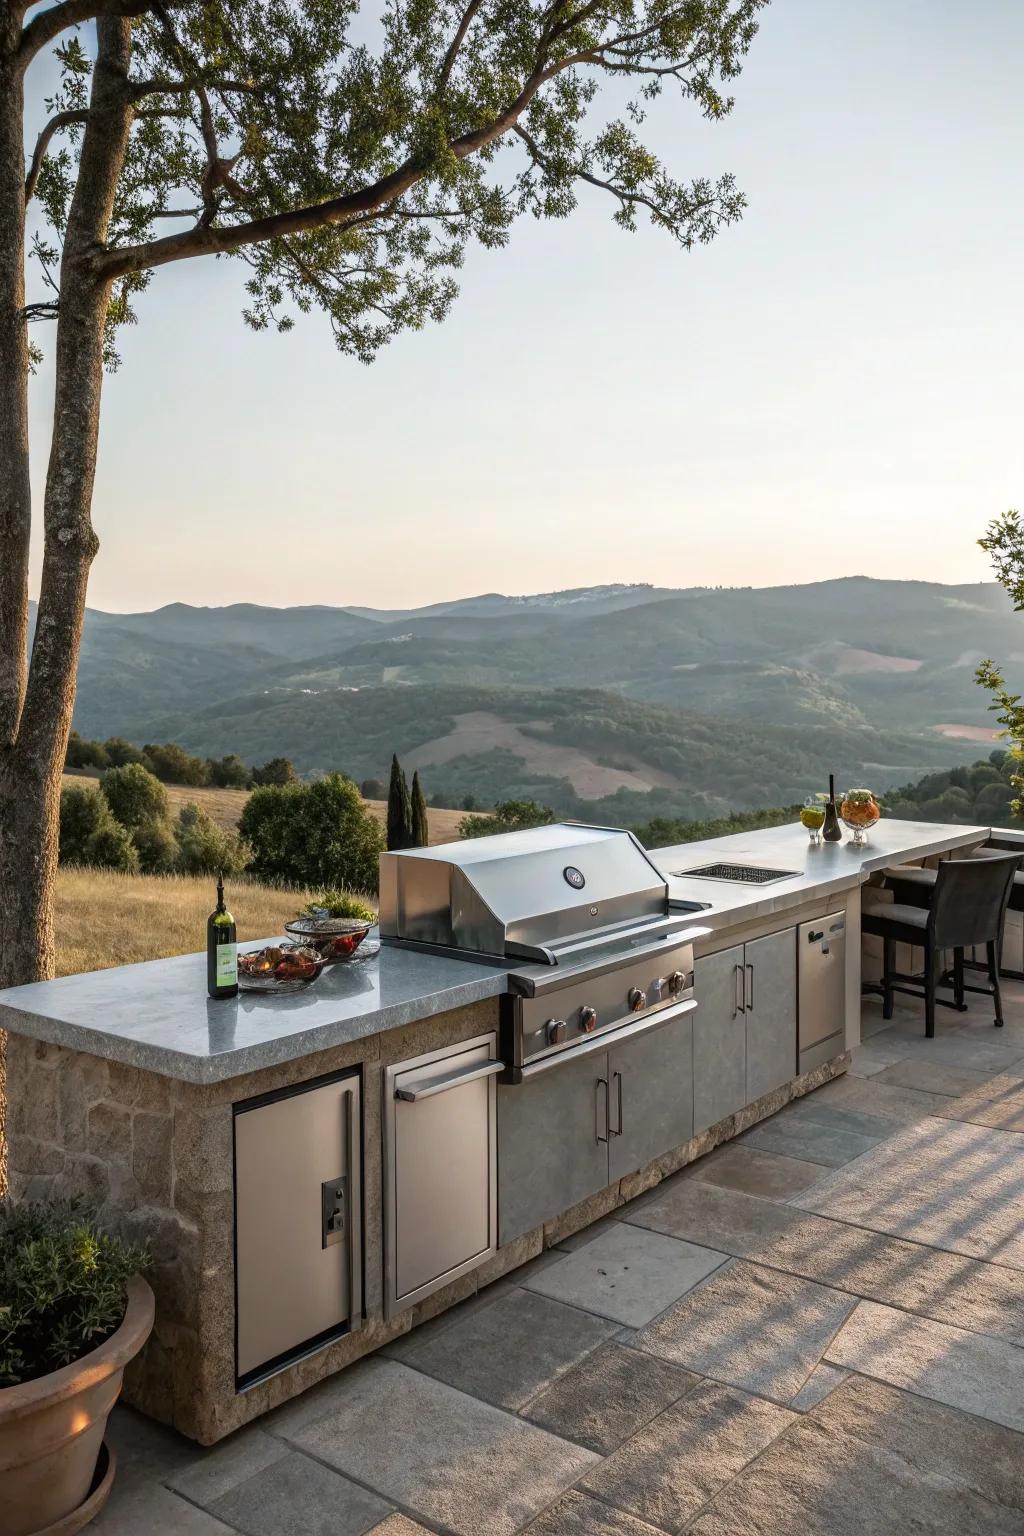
(874, 675)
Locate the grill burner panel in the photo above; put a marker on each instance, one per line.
(742, 874)
(612, 960)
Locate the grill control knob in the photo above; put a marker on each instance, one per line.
(637, 999)
(555, 1030)
(676, 982)
(588, 1018)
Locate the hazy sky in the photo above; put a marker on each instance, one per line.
(832, 387)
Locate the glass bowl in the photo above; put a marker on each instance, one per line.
(279, 968)
(333, 938)
(858, 812)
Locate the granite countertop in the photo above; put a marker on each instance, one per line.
(157, 1015)
(820, 871)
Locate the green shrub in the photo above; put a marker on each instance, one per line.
(173, 765)
(278, 771)
(157, 847)
(85, 754)
(202, 847)
(118, 752)
(314, 834)
(228, 772)
(340, 904)
(508, 816)
(82, 812)
(63, 1286)
(134, 795)
(112, 847)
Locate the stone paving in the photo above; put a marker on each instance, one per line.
(818, 1330)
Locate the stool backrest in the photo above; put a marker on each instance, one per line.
(970, 900)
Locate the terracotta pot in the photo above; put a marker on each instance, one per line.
(51, 1429)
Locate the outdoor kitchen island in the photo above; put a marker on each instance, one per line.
(320, 1172)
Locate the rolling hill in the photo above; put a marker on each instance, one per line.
(684, 701)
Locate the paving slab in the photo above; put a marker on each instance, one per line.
(812, 1140)
(609, 1396)
(507, 1353)
(448, 1458)
(753, 1327)
(627, 1273)
(822, 1380)
(297, 1496)
(215, 1472)
(671, 1467)
(973, 1051)
(971, 1371)
(811, 1484)
(577, 1514)
(723, 1219)
(399, 1525)
(907, 1105)
(997, 1102)
(823, 1112)
(765, 1174)
(983, 1456)
(950, 1287)
(947, 1183)
(930, 1076)
(138, 1506)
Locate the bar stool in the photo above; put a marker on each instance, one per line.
(913, 886)
(968, 904)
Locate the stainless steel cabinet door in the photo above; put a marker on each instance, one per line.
(650, 1086)
(552, 1143)
(771, 1012)
(719, 1038)
(294, 1280)
(440, 1173)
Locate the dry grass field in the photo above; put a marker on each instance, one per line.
(224, 806)
(105, 918)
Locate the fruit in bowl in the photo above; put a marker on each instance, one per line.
(859, 810)
(334, 924)
(278, 967)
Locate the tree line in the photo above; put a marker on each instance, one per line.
(171, 764)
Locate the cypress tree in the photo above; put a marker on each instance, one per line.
(399, 808)
(420, 830)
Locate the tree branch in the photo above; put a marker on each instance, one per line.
(57, 122)
(185, 87)
(206, 240)
(48, 310)
(49, 24)
(456, 43)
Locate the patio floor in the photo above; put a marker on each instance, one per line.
(818, 1330)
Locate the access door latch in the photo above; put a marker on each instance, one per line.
(333, 1200)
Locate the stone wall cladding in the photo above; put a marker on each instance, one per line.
(156, 1156)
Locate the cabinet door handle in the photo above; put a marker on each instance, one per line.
(602, 1082)
(750, 999)
(618, 1105)
(739, 996)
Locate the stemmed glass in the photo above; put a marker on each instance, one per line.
(813, 818)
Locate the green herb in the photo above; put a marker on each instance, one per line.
(339, 904)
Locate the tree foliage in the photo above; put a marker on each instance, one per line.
(316, 834)
(350, 159)
(1004, 541)
(419, 830)
(134, 795)
(507, 816)
(399, 823)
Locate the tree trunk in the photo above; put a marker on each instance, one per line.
(30, 773)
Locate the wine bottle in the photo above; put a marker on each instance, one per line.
(221, 949)
(832, 832)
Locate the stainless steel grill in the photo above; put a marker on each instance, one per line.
(584, 904)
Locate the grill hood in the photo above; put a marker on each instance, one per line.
(528, 895)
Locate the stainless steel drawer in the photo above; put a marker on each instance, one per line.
(440, 1168)
(298, 1238)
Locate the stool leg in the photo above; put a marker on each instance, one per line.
(958, 980)
(887, 969)
(931, 962)
(993, 972)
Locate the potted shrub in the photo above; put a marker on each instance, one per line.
(74, 1310)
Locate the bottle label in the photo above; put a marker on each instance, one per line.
(227, 965)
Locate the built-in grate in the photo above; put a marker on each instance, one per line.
(745, 874)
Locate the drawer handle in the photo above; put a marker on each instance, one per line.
(448, 1080)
